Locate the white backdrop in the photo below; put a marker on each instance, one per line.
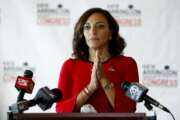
(37, 34)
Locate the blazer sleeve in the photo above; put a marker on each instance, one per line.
(67, 104)
(122, 102)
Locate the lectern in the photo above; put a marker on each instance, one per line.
(76, 116)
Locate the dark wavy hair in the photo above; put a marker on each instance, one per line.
(80, 48)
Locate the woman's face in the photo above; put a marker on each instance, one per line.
(96, 31)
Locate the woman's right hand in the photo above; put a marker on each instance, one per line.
(96, 73)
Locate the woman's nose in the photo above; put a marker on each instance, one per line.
(93, 30)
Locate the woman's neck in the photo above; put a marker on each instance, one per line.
(103, 54)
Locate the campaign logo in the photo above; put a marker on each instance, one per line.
(11, 70)
(126, 17)
(161, 76)
(52, 15)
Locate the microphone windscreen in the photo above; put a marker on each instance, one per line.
(125, 85)
(57, 93)
(134, 91)
(46, 97)
(28, 73)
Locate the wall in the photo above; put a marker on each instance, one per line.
(37, 34)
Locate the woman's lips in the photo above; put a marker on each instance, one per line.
(94, 38)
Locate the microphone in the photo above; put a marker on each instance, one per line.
(24, 84)
(138, 93)
(44, 99)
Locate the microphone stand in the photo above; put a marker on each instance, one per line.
(21, 95)
(149, 106)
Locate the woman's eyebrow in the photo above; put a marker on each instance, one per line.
(95, 22)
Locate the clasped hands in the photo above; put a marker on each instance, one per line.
(97, 76)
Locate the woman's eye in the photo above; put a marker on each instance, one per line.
(96, 26)
(87, 27)
(100, 26)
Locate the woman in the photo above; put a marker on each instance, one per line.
(95, 74)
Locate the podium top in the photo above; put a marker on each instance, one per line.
(76, 116)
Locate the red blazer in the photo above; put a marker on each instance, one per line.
(75, 76)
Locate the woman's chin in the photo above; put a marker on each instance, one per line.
(94, 47)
